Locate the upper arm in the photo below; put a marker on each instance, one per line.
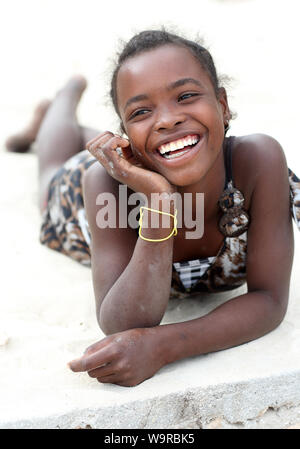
(111, 248)
(270, 234)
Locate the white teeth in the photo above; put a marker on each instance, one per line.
(172, 156)
(178, 144)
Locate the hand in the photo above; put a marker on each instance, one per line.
(126, 168)
(126, 358)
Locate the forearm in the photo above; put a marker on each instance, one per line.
(140, 296)
(235, 322)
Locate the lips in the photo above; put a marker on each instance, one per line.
(175, 156)
(179, 144)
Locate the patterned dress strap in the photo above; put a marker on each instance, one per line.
(294, 182)
(235, 220)
(228, 161)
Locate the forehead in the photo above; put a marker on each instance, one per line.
(154, 69)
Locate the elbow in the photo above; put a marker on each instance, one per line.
(114, 329)
(106, 324)
(105, 329)
(111, 325)
(278, 305)
(277, 319)
(280, 314)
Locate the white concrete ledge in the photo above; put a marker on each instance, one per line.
(47, 318)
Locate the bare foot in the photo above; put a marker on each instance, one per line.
(77, 83)
(72, 91)
(21, 142)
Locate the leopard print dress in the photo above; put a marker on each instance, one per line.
(65, 228)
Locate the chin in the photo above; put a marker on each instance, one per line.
(184, 182)
(187, 178)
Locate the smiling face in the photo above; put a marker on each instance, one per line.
(171, 114)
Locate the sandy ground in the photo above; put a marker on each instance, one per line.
(45, 297)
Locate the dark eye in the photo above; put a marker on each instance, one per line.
(186, 96)
(139, 112)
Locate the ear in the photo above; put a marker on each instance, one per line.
(224, 104)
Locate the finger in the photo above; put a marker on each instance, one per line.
(97, 150)
(112, 379)
(104, 150)
(117, 380)
(117, 166)
(127, 152)
(97, 144)
(122, 151)
(119, 152)
(96, 346)
(90, 361)
(93, 140)
(103, 371)
(115, 143)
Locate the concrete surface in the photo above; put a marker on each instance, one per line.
(47, 318)
(46, 305)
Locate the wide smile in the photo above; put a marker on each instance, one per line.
(177, 152)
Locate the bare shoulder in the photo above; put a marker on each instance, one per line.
(256, 156)
(261, 148)
(96, 179)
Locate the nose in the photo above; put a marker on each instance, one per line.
(168, 118)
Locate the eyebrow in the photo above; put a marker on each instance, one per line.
(178, 83)
(184, 81)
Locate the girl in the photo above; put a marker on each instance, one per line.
(174, 117)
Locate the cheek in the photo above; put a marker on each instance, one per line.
(135, 146)
(141, 157)
(137, 139)
(212, 114)
(219, 118)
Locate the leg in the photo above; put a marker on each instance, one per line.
(87, 134)
(21, 142)
(60, 136)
